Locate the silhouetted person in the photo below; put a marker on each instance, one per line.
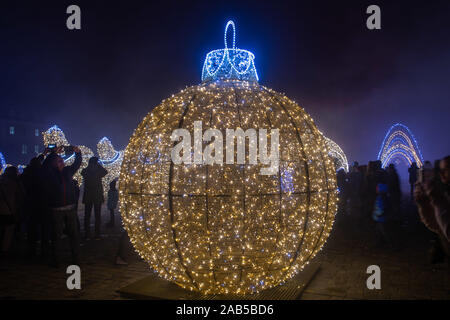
(342, 184)
(12, 195)
(437, 168)
(369, 187)
(60, 201)
(77, 198)
(427, 165)
(381, 204)
(355, 182)
(437, 252)
(433, 200)
(93, 195)
(37, 228)
(113, 198)
(412, 170)
(394, 192)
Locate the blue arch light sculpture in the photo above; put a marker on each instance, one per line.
(399, 142)
(229, 63)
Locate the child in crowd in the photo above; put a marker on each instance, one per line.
(113, 198)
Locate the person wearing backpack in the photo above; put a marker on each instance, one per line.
(60, 202)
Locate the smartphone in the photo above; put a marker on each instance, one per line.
(51, 146)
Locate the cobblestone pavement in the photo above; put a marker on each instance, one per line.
(351, 248)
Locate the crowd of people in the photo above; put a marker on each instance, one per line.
(43, 200)
(369, 191)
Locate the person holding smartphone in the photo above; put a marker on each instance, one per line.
(59, 197)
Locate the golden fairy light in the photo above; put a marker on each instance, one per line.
(225, 228)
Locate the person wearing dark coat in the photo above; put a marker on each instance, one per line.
(342, 183)
(77, 197)
(34, 206)
(433, 201)
(412, 170)
(394, 192)
(369, 187)
(60, 198)
(355, 183)
(12, 194)
(93, 195)
(381, 204)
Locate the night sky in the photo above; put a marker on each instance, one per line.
(130, 55)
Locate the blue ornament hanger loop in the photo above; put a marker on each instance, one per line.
(234, 34)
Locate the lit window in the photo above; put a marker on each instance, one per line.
(36, 148)
(11, 130)
(36, 132)
(24, 149)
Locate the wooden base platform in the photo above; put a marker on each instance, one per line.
(152, 287)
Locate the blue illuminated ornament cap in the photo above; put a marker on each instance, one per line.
(229, 63)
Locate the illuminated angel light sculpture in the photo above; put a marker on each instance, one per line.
(399, 143)
(111, 161)
(338, 155)
(225, 228)
(54, 135)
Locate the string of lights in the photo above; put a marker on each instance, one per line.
(225, 228)
(399, 142)
(338, 155)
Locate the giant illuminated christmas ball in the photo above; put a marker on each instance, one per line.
(229, 226)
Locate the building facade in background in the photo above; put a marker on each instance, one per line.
(20, 140)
